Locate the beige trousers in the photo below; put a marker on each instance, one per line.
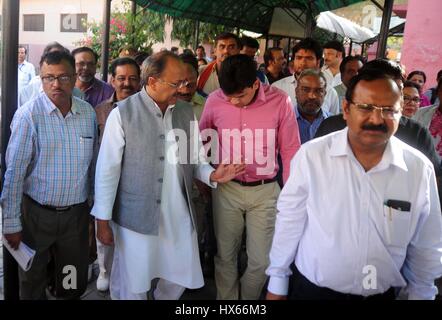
(236, 207)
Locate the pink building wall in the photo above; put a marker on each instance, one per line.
(422, 48)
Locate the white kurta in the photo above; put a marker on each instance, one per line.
(172, 255)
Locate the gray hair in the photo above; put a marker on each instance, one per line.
(314, 73)
(155, 64)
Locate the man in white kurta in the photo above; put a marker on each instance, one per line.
(172, 254)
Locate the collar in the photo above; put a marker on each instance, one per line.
(198, 99)
(95, 84)
(50, 107)
(393, 153)
(322, 113)
(149, 101)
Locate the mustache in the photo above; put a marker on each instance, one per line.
(128, 88)
(379, 127)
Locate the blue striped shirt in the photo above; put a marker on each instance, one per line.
(49, 157)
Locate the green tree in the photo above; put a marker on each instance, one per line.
(184, 31)
(140, 31)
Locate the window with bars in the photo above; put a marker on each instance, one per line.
(33, 22)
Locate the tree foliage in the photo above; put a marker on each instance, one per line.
(184, 32)
(139, 32)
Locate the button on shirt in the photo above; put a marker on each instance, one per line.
(288, 85)
(333, 223)
(307, 129)
(255, 133)
(49, 157)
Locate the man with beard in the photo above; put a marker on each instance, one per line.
(48, 179)
(142, 183)
(307, 55)
(95, 90)
(226, 45)
(310, 93)
(126, 81)
(359, 215)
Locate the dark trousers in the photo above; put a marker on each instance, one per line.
(302, 289)
(65, 235)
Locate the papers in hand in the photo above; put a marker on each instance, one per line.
(23, 255)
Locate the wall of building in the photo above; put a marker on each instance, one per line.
(422, 49)
(52, 9)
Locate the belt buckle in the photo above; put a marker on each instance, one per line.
(62, 208)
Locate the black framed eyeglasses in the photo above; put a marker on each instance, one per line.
(51, 79)
(386, 112)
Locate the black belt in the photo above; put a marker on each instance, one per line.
(303, 289)
(52, 208)
(254, 183)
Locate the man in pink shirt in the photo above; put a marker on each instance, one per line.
(251, 123)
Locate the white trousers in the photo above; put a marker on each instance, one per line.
(119, 290)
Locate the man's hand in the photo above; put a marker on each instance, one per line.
(226, 172)
(13, 239)
(104, 233)
(272, 296)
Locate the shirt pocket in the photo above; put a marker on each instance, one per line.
(396, 227)
(86, 149)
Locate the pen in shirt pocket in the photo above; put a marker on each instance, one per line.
(85, 138)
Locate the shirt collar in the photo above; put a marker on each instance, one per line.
(50, 107)
(393, 153)
(148, 99)
(322, 114)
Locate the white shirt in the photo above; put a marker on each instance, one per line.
(332, 80)
(35, 87)
(26, 72)
(173, 254)
(288, 85)
(333, 223)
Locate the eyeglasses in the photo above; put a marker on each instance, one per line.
(85, 64)
(177, 85)
(51, 79)
(386, 112)
(409, 99)
(124, 79)
(316, 92)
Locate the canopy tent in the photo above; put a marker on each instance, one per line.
(344, 27)
(276, 17)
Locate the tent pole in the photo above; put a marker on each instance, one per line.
(197, 34)
(105, 40)
(9, 77)
(383, 34)
(133, 11)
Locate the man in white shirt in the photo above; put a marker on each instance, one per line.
(143, 180)
(35, 86)
(334, 52)
(26, 70)
(378, 227)
(307, 55)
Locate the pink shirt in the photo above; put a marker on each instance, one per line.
(253, 134)
(436, 131)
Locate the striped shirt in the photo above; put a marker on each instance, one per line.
(49, 157)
